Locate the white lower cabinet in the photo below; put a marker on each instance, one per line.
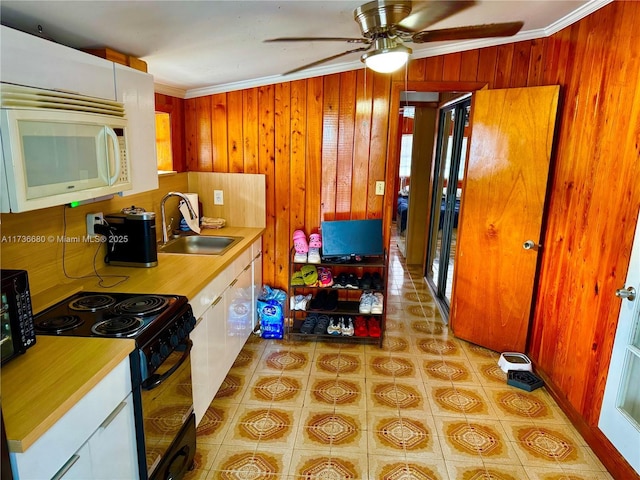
(94, 440)
(223, 327)
(78, 467)
(114, 439)
(209, 346)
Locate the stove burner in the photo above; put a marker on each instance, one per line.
(141, 305)
(58, 324)
(91, 303)
(118, 326)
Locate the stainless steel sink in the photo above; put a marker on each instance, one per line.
(199, 245)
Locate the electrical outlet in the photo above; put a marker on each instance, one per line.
(379, 188)
(218, 197)
(94, 219)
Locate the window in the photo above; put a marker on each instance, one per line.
(164, 155)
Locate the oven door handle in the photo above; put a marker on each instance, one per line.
(155, 380)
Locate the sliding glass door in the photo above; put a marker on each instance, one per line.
(449, 164)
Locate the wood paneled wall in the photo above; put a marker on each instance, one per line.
(322, 144)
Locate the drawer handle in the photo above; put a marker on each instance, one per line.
(66, 467)
(233, 283)
(113, 415)
(216, 301)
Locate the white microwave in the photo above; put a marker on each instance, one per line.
(60, 148)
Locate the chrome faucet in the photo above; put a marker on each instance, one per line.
(192, 212)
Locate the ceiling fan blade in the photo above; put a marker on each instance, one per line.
(318, 39)
(327, 59)
(424, 14)
(464, 33)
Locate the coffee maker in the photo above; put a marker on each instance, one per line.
(131, 238)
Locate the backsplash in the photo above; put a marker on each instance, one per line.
(35, 241)
(39, 241)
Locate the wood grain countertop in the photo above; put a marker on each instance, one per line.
(39, 387)
(175, 274)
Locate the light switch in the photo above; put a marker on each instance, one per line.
(379, 188)
(218, 198)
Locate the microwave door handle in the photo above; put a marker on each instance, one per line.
(116, 151)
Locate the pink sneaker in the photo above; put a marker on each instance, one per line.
(315, 241)
(325, 278)
(300, 242)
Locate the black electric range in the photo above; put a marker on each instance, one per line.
(157, 323)
(160, 367)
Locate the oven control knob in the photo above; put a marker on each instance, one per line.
(156, 360)
(164, 349)
(174, 340)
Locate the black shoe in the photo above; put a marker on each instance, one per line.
(321, 326)
(365, 281)
(377, 282)
(332, 301)
(352, 281)
(340, 281)
(319, 302)
(309, 324)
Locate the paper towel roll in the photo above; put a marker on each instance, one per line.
(193, 224)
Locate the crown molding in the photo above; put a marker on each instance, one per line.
(169, 90)
(463, 45)
(576, 15)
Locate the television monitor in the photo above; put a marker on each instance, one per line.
(347, 238)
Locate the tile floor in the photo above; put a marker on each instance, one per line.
(426, 406)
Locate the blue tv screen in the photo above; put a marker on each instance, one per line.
(352, 237)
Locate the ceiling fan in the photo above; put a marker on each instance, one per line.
(387, 24)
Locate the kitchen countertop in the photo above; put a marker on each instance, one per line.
(67, 368)
(175, 274)
(39, 387)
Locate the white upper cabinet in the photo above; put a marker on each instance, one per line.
(135, 90)
(34, 62)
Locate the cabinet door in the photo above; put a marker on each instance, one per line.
(200, 367)
(78, 467)
(32, 61)
(239, 311)
(115, 439)
(219, 362)
(135, 90)
(257, 288)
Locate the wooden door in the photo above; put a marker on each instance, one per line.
(504, 195)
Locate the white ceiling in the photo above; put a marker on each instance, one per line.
(201, 47)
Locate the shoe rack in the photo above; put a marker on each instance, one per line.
(348, 299)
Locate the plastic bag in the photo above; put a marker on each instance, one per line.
(270, 307)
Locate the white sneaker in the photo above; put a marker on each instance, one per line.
(366, 302)
(334, 327)
(348, 329)
(304, 303)
(300, 257)
(300, 302)
(376, 304)
(314, 255)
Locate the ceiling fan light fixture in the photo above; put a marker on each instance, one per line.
(388, 56)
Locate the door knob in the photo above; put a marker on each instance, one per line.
(530, 245)
(629, 293)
